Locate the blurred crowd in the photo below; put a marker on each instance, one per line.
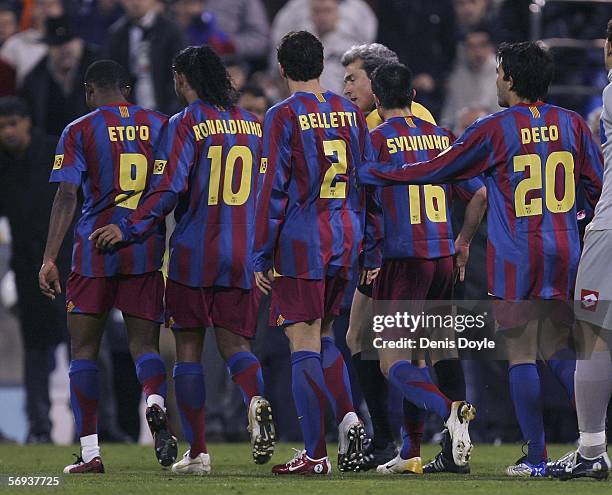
(46, 45)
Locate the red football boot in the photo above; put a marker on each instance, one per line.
(82, 467)
(302, 464)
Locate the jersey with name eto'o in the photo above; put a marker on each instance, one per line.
(310, 212)
(110, 153)
(532, 157)
(208, 161)
(412, 221)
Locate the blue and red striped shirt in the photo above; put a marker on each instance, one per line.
(412, 221)
(110, 153)
(310, 210)
(206, 167)
(532, 156)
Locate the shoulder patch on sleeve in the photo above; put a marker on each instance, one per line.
(159, 166)
(264, 166)
(58, 162)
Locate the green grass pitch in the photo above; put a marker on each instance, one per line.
(132, 469)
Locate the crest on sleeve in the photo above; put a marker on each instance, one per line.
(159, 166)
(264, 166)
(58, 162)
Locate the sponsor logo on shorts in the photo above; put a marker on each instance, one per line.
(170, 321)
(58, 162)
(70, 306)
(280, 320)
(589, 299)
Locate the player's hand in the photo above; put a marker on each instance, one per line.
(264, 280)
(48, 280)
(107, 236)
(462, 253)
(368, 275)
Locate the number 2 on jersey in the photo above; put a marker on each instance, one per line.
(231, 198)
(132, 179)
(329, 190)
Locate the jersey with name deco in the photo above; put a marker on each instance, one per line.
(208, 160)
(310, 211)
(412, 221)
(109, 152)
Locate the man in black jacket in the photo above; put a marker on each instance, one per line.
(145, 41)
(26, 196)
(54, 88)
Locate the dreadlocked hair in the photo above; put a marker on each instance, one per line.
(207, 75)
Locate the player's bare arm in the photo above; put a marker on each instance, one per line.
(474, 213)
(62, 214)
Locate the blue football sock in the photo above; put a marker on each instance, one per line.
(412, 430)
(310, 394)
(84, 394)
(417, 387)
(190, 398)
(336, 378)
(245, 370)
(151, 373)
(525, 389)
(563, 366)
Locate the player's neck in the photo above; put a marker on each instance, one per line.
(514, 99)
(112, 99)
(389, 113)
(312, 86)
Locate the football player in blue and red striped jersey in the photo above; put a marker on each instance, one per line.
(206, 167)
(532, 155)
(109, 153)
(409, 236)
(310, 220)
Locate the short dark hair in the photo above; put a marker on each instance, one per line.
(207, 75)
(300, 54)
(392, 85)
(107, 74)
(609, 31)
(11, 106)
(531, 67)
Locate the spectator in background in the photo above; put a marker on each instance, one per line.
(200, 26)
(339, 25)
(145, 41)
(54, 88)
(422, 33)
(247, 25)
(237, 70)
(472, 81)
(25, 49)
(7, 79)
(253, 99)
(94, 18)
(26, 155)
(469, 14)
(8, 22)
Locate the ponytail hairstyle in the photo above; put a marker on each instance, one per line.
(207, 75)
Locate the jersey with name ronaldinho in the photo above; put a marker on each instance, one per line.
(207, 167)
